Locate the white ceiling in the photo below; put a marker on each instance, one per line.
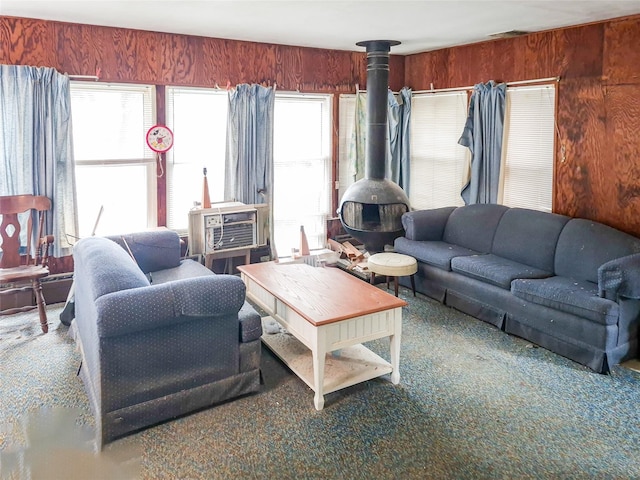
(334, 24)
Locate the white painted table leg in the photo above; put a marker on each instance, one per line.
(318, 353)
(395, 350)
(318, 376)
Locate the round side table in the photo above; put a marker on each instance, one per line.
(393, 265)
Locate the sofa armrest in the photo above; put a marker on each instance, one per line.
(425, 225)
(620, 278)
(155, 306)
(250, 324)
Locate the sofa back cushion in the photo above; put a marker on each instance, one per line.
(529, 237)
(584, 245)
(153, 250)
(473, 226)
(105, 267)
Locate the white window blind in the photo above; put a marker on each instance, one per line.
(198, 119)
(438, 163)
(346, 127)
(302, 169)
(115, 168)
(528, 149)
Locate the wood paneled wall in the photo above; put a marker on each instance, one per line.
(598, 94)
(124, 55)
(598, 107)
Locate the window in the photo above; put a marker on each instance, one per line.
(438, 162)
(302, 170)
(528, 150)
(115, 168)
(198, 119)
(347, 121)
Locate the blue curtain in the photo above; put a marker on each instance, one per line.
(483, 136)
(249, 155)
(398, 153)
(36, 150)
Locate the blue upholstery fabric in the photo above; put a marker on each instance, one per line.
(151, 352)
(438, 254)
(169, 303)
(250, 324)
(152, 250)
(114, 270)
(620, 277)
(584, 245)
(495, 270)
(569, 285)
(520, 226)
(426, 224)
(186, 269)
(567, 295)
(474, 226)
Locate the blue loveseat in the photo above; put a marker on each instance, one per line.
(567, 284)
(159, 336)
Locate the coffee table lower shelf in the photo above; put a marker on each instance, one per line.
(343, 368)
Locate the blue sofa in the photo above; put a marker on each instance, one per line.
(567, 284)
(159, 336)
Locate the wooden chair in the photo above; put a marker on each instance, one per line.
(16, 271)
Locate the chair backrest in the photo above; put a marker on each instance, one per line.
(10, 207)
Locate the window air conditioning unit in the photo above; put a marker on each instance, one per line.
(228, 226)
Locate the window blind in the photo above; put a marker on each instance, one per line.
(528, 149)
(198, 119)
(438, 163)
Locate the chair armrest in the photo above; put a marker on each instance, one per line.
(155, 306)
(620, 278)
(425, 225)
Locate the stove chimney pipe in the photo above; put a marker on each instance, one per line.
(377, 87)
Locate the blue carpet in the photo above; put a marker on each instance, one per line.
(472, 403)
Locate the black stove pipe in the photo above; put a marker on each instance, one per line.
(377, 86)
(371, 208)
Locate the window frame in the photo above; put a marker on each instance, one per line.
(326, 157)
(148, 159)
(170, 155)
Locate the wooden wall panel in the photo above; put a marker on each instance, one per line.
(623, 170)
(289, 67)
(581, 125)
(179, 57)
(27, 42)
(622, 52)
(580, 51)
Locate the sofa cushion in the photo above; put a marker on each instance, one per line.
(529, 237)
(187, 269)
(112, 268)
(438, 254)
(473, 226)
(495, 270)
(583, 246)
(568, 295)
(152, 250)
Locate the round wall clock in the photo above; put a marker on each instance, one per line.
(159, 138)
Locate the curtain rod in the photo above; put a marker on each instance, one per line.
(84, 77)
(459, 89)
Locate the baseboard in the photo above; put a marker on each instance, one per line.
(633, 364)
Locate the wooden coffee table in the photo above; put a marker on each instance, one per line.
(327, 314)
